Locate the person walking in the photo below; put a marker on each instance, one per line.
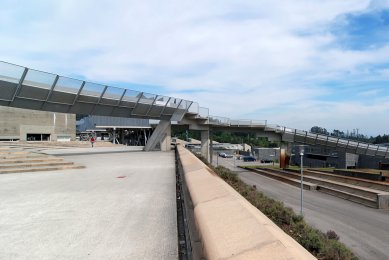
(92, 140)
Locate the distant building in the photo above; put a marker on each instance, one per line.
(31, 125)
(268, 154)
(120, 130)
(318, 156)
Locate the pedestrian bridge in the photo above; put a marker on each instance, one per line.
(33, 89)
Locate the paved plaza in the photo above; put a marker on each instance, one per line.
(121, 206)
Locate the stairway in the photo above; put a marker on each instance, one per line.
(16, 160)
(368, 193)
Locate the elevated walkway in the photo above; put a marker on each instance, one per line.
(32, 89)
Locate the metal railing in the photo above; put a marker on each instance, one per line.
(24, 83)
(225, 121)
(352, 146)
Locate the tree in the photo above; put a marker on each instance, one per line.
(338, 133)
(319, 130)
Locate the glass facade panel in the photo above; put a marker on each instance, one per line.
(161, 101)
(68, 85)
(203, 112)
(245, 122)
(39, 79)
(113, 93)
(184, 104)
(301, 132)
(132, 95)
(10, 73)
(92, 89)
(174, 102)
(217, 120)
(258, 122)
(147, 98)
(194, 108)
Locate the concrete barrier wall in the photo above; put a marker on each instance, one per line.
(229, 226)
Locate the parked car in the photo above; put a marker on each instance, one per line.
(266, 161)
(222, 155)
(249, 159)
(226, 155)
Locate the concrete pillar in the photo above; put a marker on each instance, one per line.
(205, 144)
(161, 135)
(166, 139)
(285, 154)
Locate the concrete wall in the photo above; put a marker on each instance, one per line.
(351, 160)
(366, 161)
(16, 123)
(267, 153)
(229, 227)
(338, 158)
(330, 157)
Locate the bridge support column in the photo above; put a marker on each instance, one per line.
(285, 155)
(161, 136)
(205, 141)
(166, 142)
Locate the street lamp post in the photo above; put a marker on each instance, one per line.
(301, 148)
(302, 171)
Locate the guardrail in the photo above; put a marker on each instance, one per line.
(225, 121)
(352, 146)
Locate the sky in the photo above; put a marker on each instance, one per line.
(299, 63)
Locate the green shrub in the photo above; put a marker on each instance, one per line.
(332, 235)
(335, 250)
(311, 239)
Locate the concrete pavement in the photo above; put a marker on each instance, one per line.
(122, 206)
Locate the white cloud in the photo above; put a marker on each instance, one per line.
(246, 57)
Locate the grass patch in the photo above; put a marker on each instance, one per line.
(321, 245)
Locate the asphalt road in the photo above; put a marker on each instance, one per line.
(365, 230)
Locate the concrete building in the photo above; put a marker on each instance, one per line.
(32, 125)
(268, 154)
(319, 156)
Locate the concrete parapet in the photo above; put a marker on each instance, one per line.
(383, 200)
(229, 226)
(359, 174)
(284, 178)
